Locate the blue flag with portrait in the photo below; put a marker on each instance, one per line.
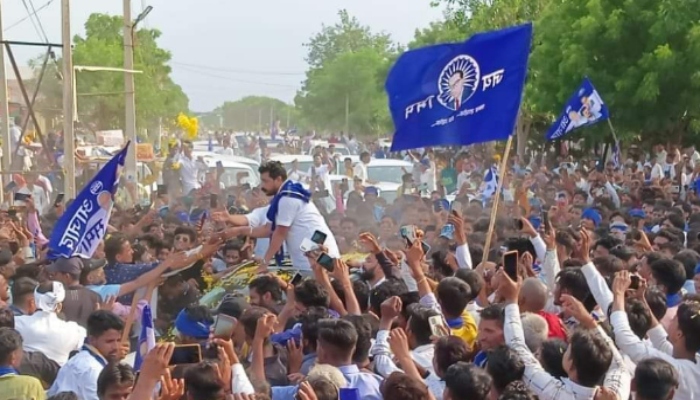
(147, 336)
(83, 225)
(459, 93)
(585, 107)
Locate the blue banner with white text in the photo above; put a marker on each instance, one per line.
(84, 223)
(459, 93)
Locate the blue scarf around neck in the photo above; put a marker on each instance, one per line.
(455, 323)
(6, 370)
(294, 190)
(673, 300)
(95, 354)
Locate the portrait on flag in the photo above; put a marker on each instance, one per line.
(585, 107)
(459, 93)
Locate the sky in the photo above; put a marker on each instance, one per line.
(223, 50)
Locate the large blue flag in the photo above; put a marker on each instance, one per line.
(147, 337)
(585, 107)
(84, 223)
(459, 93)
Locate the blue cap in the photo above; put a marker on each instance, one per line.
(372, 190)
(637, 212)
(593, 215)
(425, 162)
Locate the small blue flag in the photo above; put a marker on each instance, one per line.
(585, 107)
(490, 184)
(616, 156)
(210, 144)
(147, 337)
(83, 225)
(459, 93)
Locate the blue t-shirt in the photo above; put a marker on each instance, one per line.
(105, 291)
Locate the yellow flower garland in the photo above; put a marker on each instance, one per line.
(190, 125)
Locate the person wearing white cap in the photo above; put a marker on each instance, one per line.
(44, 331)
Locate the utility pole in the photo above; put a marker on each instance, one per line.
(259, 119)
(68, 104)
(4, 113)
(347, 115)
(129, 95)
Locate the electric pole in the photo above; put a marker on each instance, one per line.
(68, 104)
(129, 95)
(4, 114)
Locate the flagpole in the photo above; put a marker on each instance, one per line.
(494, 207)
(612, 130)
(126, 333)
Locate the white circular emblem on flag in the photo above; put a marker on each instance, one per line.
(458, 82)
(96, 187)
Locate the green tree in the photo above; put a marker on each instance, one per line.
(642, 56)
(100, 93)
(347, 67)
(252, 113)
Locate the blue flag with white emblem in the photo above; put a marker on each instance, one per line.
(459, 93)
(585, 107)
(83, 225)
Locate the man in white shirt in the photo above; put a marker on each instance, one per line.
(360, 168)
(43, 331)
(80, 373)
(295, 174)
(190, 168)
(295, 217)
(37, 192)
(227, 150)
(465, 176)
(17, 147)
(427, 177)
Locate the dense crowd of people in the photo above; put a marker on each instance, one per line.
(583, 287)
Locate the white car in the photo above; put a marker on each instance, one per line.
(388, 170)
(304, 162)
(339, 149)
(231, 170)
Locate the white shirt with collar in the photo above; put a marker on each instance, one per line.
(79, 375)
(45, 332)
(189, 173)
(360, 171)
(38, 195)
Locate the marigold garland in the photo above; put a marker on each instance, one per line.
(190, 125)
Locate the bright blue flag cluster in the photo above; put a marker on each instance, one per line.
(459, 93)
(585, 107)
(83, 225)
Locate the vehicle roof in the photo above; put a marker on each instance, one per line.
(388, 162)
(288, 158)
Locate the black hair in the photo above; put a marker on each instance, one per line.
(454, 295)
(64, 396)
(418, 322)
(608, 242)
(361, 290)
(274, 169)
(389, 288)
(186, 230)
(521, 245)
(364, 337)
(202, 382)
(689, 323)
(505, 366)
(113, 246)
(310, 293)
(573, 281)
(494, 312)
(670, 273)
(689, 259)
(450, 350)
(114, 374)
(656, 300)
(401, 386)
(7, 318)
(249, 320)
(267, 284)
(590, 355)
(474, 279)
(309, 324)
(608, 266)
(551, 356)
(639, 317)
(466, 381)
(10, 342)
(517, 390)
(339, 334)
(655, 379)
(101, 321)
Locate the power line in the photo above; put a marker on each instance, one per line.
(189, 69)
(38, 20)
(237, 71)
(30, 15)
